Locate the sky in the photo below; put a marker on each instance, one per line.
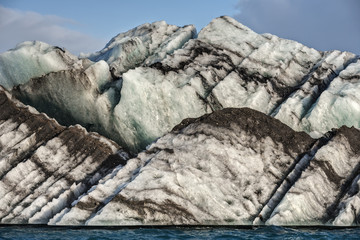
(87, 25)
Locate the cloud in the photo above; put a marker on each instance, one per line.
(321, 24)
(17, 26)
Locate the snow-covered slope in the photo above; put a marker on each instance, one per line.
(168, 74)
(44, 166)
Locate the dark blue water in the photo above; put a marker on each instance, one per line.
(16, 232)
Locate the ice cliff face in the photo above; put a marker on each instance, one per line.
(223, 165)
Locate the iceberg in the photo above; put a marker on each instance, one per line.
(167, 126)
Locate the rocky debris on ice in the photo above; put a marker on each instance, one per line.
(44, 166)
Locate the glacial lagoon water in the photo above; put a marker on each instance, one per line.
(52, 233)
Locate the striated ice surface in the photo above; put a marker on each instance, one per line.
(207, 75)
(339, 103)
(297, 109)
(99, 195)
(234, 166)
(45, 166)
(218, 172)
(84, 102)
(313, 199)
(267, 55)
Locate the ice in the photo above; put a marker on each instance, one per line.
(203, 77)
(349, 206)
(99, 194)
(58, 167)
(44, 166)
(220, 86)
(145, 82)
(33, 59)
(57, 204)
(152, 104)
(284, 187)
(230, 92)
(339, 104)
(145, 44)
(350, 212)
(21, 178)
(51, 156)
(225, 26)
(174, 42)
(98, 74)
(75, 96)
(289, 60)
(53, 90)
(181, 76)
(127, 53)
(12, 134)
(309, 200)
(297, 109)
(213, 175)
